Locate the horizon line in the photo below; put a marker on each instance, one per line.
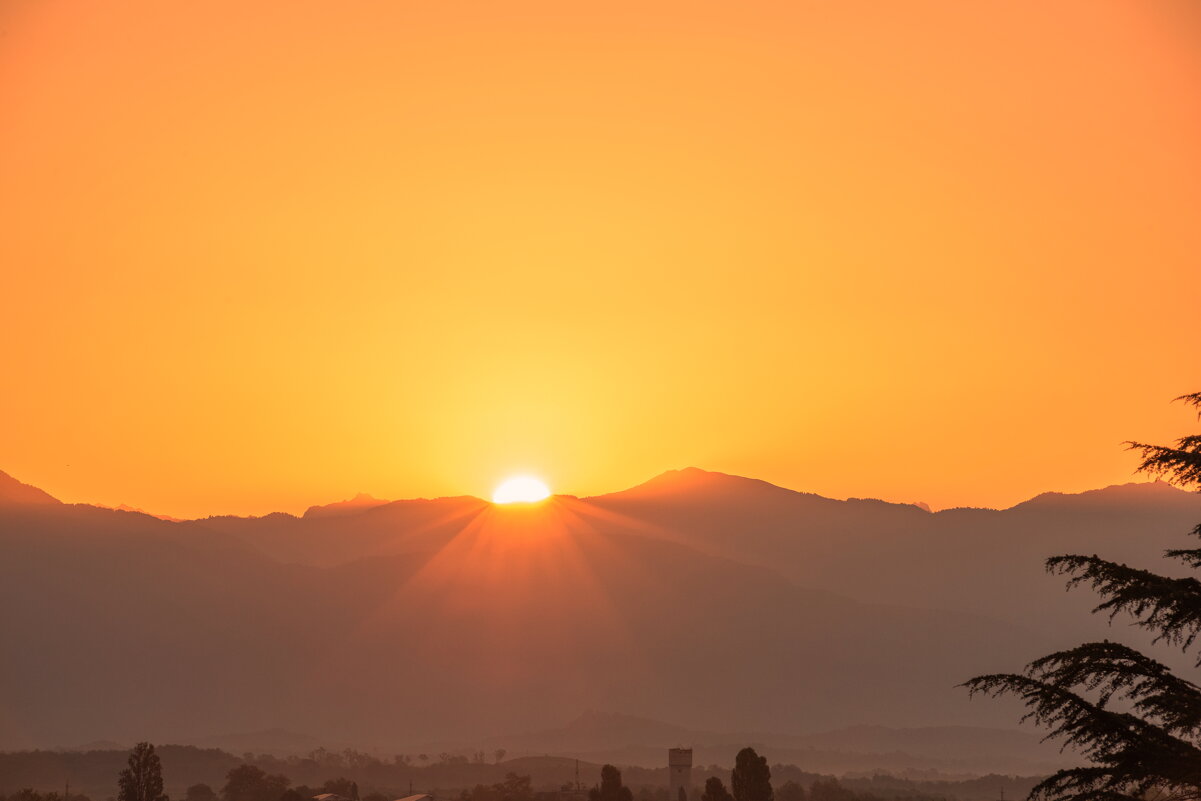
(137, 509)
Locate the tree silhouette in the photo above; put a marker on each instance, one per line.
(829, 790)
(249, 783)
(790, 791)
(143, 779)
(340, 786)
(515, 788)
(611, 788)
(1135, 720)
(751, 778)
(715, 791)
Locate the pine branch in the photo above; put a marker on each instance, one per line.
(1093, 730)
(1180, 465)
(1190, 556)
(1171, 607)
(1131, 755)
(1080, 784)
(1192, 399)
(1147, 754)
(1109, 669)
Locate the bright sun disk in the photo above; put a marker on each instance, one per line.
(520, 489)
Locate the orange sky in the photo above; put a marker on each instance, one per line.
(262, 255)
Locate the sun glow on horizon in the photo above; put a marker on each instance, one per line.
(521, 489)
(614, 229)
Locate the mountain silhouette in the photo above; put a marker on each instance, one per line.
(633, 740)
(986, 561)
(321, 539)
(359, 503)
(14, 493)
(723, 603)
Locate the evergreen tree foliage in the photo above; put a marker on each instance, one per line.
(1137, 722)
(751, 778)
(611, 788)
(515, 787)
(790, 791)
(830, 789)
(715, 790)
(143, 779)
(250, 783)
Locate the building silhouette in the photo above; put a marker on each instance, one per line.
(679, 771)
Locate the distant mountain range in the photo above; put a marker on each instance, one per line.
(600, 737)
(722, 603)
(951, 750)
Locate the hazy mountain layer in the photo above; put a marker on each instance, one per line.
(719, 603)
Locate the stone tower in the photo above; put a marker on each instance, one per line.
(679, 771)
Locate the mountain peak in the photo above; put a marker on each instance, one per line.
(14, 493)
(694, 479)
(1132, 493)
(359, 503)
(124, 507)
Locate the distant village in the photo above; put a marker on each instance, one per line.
(193, 772)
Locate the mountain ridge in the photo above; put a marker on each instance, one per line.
(672, 482)
(437, 618)
(14, 493)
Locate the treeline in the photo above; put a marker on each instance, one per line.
(93, 774)
(882, 787)
(29, 794)
(195, 774)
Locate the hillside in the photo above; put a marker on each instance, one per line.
(720, 603)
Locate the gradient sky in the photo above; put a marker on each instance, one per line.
(262, 255)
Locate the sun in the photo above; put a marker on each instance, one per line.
(520, 489)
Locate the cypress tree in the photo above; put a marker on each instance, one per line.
(143, 779)
(715, 791)
(751, 778)
(611, 788)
